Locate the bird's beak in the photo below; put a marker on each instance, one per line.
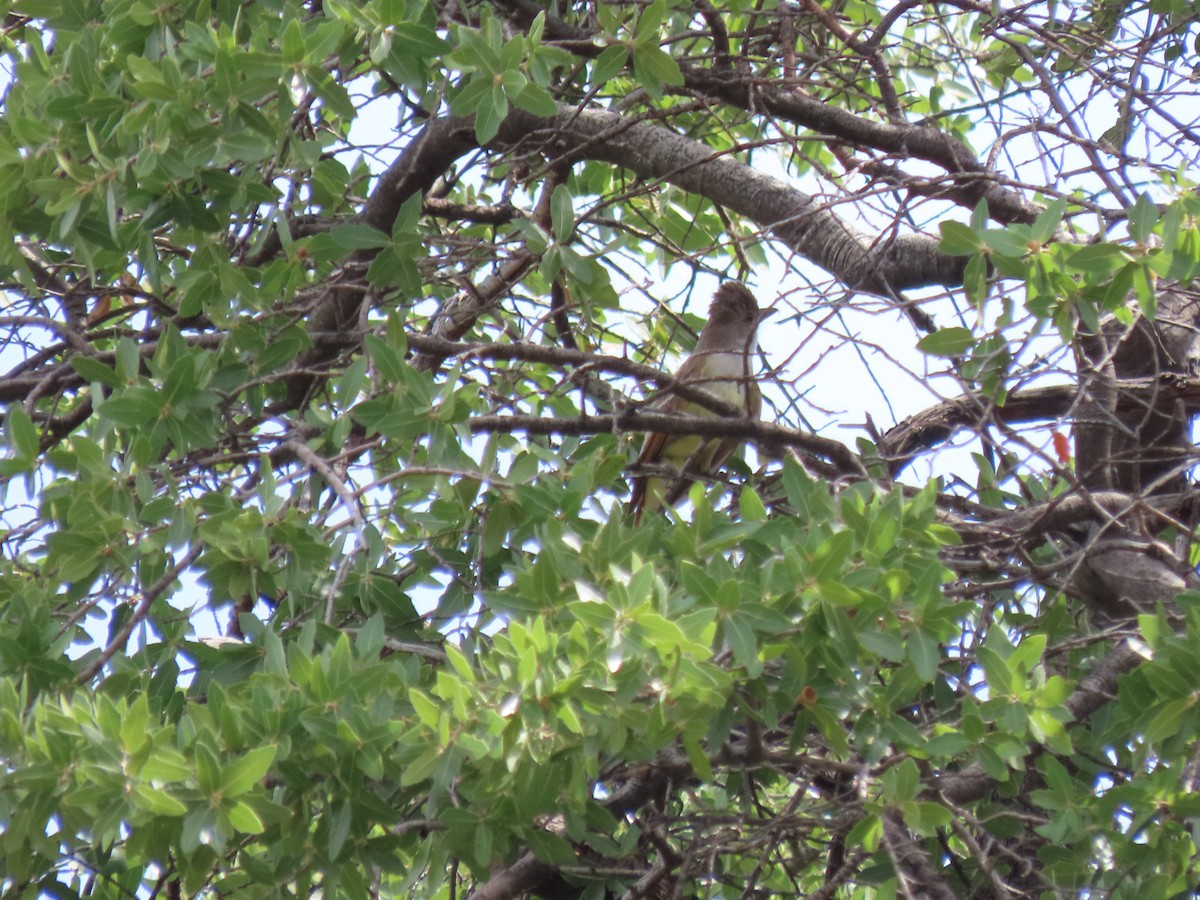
(766, 313)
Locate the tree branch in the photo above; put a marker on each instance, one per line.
(919, 877)
(152, 593)
(938, 423)
(793, 217)
(511, 881)
(427, 157)
(975, 181)
(765, 434)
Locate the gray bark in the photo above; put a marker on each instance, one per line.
(860, 261)
(1138, 443)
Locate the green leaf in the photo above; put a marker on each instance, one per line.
(157, 801)
(293, 42)
(1007, 242)
(75, 555)
(1121, 287)
(427, 711)
(659, 631)
(339, 828)
(535, 99)
(22, 434)
(1144, 291)
(829, 560)
(562, 213)
(948, 745)
(285, 346)
(653, 68)
(395, 269)
(742, 642)
(1047, 222)
(1166, 721)
(975, 280)
(134, 407)
(481, 48)
(240, 776)
(470, 96)
(165, 765)
(882, 644)
(901, 782)
(650, 22)
(566, 715)
(924, 654)
(245, 819)
(698, 759)
(750, 506)
(927, 817)
(1048, 729)
(129, 360)
(417, 39)
(866, 833)
(606, 66)
(514, 82)
(208, 771)
(490, 114)
(959, 239)
(551, 848)
(388, 360)
(460, 663)
(134, 724)
(1028, 655)
(358, 237)
(422, 767)
(1142, 219)
(1099, 258)
(951, 341)
(93, 370)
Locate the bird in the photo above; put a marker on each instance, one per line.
(720, 364)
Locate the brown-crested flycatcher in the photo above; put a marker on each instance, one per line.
(720, 364)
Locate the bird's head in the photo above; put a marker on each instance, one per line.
(735, 311)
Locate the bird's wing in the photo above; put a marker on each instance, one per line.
(711, 455)
(753, 399)
(652, 448)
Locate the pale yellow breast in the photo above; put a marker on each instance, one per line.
(724, 377)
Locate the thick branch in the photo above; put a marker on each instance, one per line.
(653, 152)
(429, 155)
(1065, 510)
(922, 142)
(427, 158)
(974, 180)
(765, 434)
(795, 218)
(520, 878)
(460, 312)
(938, 423)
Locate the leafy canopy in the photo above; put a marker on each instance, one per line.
(329, 331)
